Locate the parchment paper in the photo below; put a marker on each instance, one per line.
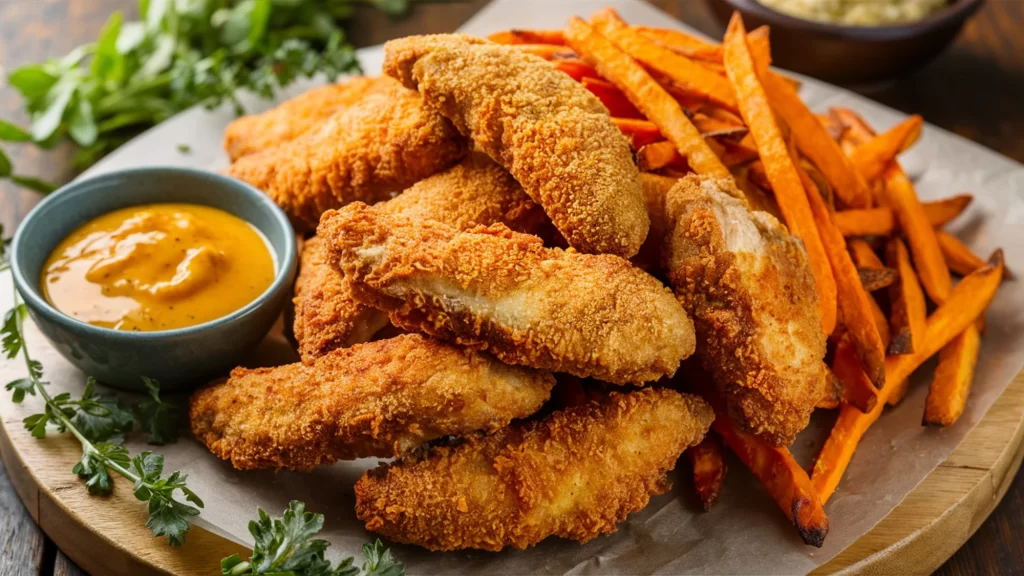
(745, 532)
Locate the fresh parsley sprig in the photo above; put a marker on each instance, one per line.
(100, 423)
(285, 547)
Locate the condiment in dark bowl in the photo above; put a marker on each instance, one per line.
(845, 54)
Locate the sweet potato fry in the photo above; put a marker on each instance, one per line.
(814, 141)
(639, 132)
(863, 254)
(943, 211)
(576, 69)
(547, 51)
(872, 157)
(682, 43)
(876, 278)
(965, 304)
(646, 94)
(857, 389)
(733, 154)
(855, 308)
(515, 36)
(906, 299)
(951, 384)
(612, 98)
(782, 477)
(924, 246)
(957, 255)
(856, 130)
(659, 155)
(711, 127)
(882, 222)
(708, 460)
(786, 184)
(670, 66)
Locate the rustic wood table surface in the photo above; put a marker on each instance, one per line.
(974, 89)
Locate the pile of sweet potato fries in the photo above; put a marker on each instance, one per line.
(877, 253)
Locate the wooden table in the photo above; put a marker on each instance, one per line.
(974, 89)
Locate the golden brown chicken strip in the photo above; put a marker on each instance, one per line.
(377, 399)
(475, 191)
(549, 131)
(504, 292)
(291, 119)
(383, 144)
(746, 282)
(326, 315)
(575, 474)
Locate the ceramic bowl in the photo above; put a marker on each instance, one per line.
(178, 358)
(851, 54)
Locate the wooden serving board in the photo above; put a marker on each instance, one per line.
(103, 535)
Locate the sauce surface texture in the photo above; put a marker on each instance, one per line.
(158, 267)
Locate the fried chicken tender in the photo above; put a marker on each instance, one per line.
(497, 290)
(326, 315)
(291, 119)
(475, 191)
(384, 143)
(377, 399)
(549, 131)
(746, 282)
(575, 474)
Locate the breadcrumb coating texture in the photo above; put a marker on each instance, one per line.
(293, 118)
(327, 317)
(384, 143)
(575, 474)
(551, 133)
(475, 191)
(746, 282)
(377, 399)
(504, 292)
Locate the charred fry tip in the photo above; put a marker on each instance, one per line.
(812, 534)
(902, 342)
(933, 423)
(869, 404)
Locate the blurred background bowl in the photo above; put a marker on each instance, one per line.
(844, 54)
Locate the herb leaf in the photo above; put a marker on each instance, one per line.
(100, 417)
(286, 546)
(158, 418)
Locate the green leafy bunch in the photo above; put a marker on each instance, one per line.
(180, 53)
(285, 547)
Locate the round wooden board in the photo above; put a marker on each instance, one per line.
(102, 535)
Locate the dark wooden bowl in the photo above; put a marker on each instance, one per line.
(850, 54)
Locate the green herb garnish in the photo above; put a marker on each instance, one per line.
(285, 546)
(180, 53)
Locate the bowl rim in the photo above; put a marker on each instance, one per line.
(956, 10)
(34, 300)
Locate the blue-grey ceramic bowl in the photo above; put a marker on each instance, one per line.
(178, 358)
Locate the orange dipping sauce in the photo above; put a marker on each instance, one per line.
(158, 267)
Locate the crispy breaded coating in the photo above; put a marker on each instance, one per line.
(376, 399)
(549, 131)
(384, 143)
(746, 282)
(291, 119)
(575, 474)
(475, 191)
(326, 315)
(504, 292)
(655, 189)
